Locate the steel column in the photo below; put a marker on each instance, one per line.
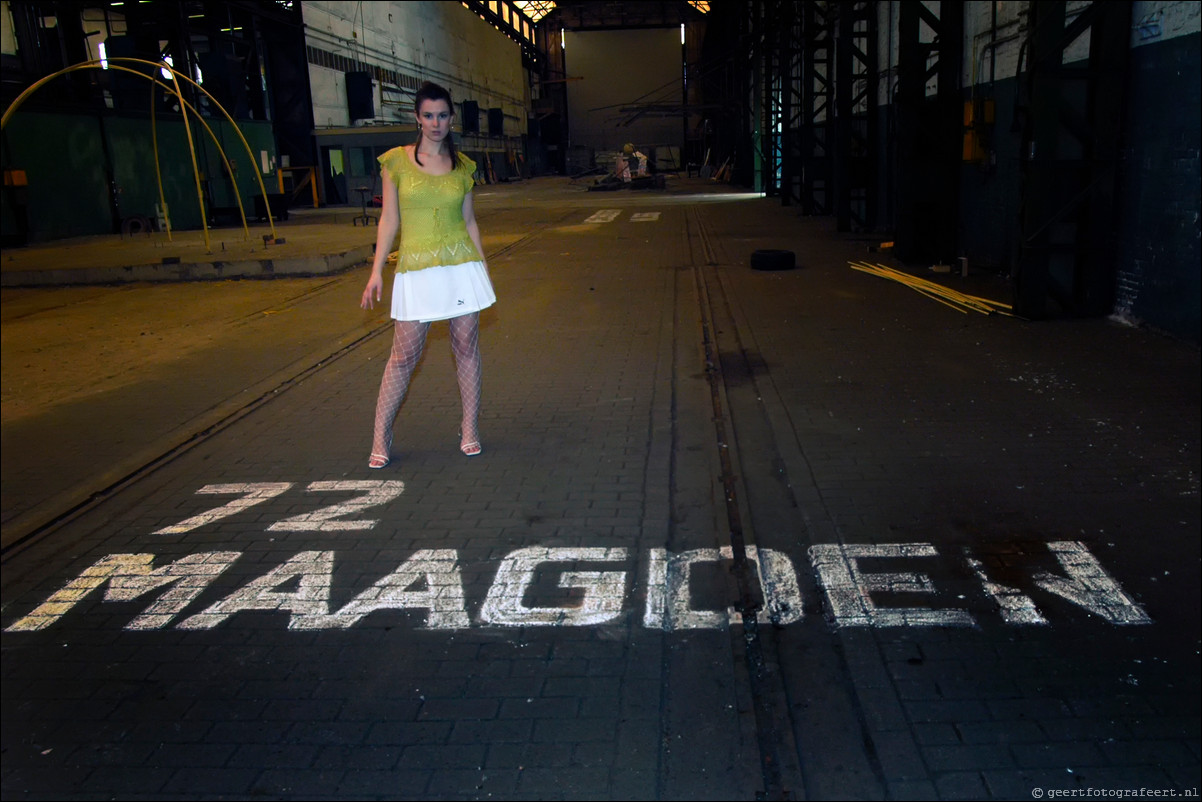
(1071, 148)
(767, 35)
(818, 89)
(855, 116)
(929, 127)
(790, 40)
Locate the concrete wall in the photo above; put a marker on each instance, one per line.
(442, 42)
(623, 69)
(8, 39)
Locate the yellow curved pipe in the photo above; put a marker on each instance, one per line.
(200, 198)
(216, 143)
(86, 65)
(250, 153)
(158, 170)
(159, 65)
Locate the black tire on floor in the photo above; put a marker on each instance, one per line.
(770, 259)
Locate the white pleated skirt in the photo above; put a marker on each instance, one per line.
(441, 292)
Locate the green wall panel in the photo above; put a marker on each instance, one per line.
(63, 158)
(69, 158)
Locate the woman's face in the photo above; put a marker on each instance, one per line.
(434, 119)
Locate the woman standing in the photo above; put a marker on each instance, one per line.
(441, 273)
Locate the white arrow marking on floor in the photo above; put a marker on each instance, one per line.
(644, 217)
(604, 216)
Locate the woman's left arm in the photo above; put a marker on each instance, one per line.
(473, 230)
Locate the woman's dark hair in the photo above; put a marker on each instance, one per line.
(432, 91)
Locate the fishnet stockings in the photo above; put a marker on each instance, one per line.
(408, 342)
(465, 343)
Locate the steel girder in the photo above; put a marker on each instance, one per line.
(818, 101)
(929, 128)
(790, 52)
(1066, 260)
(856, 116)
(782, 106)
(769, 112)
(813, 105)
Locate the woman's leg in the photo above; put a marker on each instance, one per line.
(408, 339)
(465, 342)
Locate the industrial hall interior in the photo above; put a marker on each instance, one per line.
(600, 399)
(1052, 143)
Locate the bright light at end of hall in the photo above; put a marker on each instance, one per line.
(682, 33)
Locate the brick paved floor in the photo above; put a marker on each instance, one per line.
(892, 419)
(539, 647)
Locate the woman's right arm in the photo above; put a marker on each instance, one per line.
(386, 231)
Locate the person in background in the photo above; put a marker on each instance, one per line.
(441, 272)
(641, 159)
(622, 163)
(631, 162)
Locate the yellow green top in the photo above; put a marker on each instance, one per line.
(433, 231)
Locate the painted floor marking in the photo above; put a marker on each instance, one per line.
(1089, 586)
(1015, 606)
(604, 591)
(252, 494)
(375, 493)
(130, 576)
(644, 217)
(669, 606)
(431, 580)
(604, 216)
(848, 588)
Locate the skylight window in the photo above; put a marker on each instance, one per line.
(537, 9)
